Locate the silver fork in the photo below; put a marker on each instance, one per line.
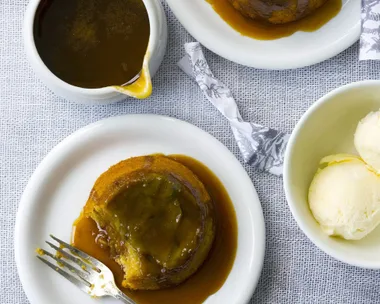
(84, 271)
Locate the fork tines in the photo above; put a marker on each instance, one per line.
(73, 264)
(84, 271)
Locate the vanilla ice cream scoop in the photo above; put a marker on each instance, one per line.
(344, 197)
(367, 139)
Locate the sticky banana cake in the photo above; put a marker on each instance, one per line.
(277, 11)
(157, 219)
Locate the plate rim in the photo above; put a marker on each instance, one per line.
(260, 235)
(332, 50)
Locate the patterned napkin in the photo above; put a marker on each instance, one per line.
(370, 36)
(261, 147)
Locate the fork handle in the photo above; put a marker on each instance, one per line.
(118, 294)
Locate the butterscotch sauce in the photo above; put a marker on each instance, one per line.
(92, 44)
(209, 278)
(266, 31)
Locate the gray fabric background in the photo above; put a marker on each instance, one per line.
(33, 121)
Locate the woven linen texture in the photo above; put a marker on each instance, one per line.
(33, 120)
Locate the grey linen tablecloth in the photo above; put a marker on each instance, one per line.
(33, 121)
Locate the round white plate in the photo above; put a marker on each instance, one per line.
(298, 50)
(60, 186)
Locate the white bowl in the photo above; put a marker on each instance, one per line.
(328, 127)
(156, 47)
(298, 50)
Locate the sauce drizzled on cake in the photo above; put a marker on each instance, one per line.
(272, 19)
(182, 236)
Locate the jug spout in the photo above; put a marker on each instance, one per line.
(142, 87)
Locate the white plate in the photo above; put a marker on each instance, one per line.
(299, 50)
(60, 186)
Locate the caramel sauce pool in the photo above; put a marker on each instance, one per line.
(92, 43)
(266, 31)
(214, 271)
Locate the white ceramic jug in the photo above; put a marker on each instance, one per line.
(155, 53)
